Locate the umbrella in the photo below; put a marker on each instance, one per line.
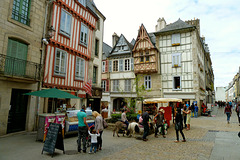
(52, 93)
(161, 100)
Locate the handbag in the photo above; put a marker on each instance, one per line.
(105, 124)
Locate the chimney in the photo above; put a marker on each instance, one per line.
(161, 23)
(115, 38)
(195, 22)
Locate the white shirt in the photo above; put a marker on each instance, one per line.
(93, 137)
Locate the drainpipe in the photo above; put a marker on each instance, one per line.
(42, 51)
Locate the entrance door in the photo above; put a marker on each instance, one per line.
(18, 111)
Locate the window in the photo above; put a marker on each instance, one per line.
(80, 68)
(128, 85)
(84, 35)
(98, 25)
(176, 60)
(60, 63)
(65, 24)
(176, 39)
(103, 67)
(16, 60)
(115, 65)
(177, 83)
(21, 11)
(95, 74)
(96, 47)
(147, 82)
(141, 57)
(115, 85)
(104, 83)
(147, 57)
(127, 64)
(83, 2)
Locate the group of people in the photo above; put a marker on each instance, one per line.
(84, 130)
(228, 111)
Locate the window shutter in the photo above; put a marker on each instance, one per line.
(22, 51)
(106, 66)
(110, 66)
(83, 69)
(107, 85)
(132, 64)
(121, 65)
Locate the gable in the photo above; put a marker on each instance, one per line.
(143, 39)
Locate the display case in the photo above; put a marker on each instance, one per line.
(72, 121)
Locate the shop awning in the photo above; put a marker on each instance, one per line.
(52, 93)
(161, 100)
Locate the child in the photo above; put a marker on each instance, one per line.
(93, 140)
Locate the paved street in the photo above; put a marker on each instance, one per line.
(209, 138)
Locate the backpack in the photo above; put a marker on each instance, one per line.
(105, 125)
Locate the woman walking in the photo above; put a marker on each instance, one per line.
(98, 128)
(179, 125)
(228, 112)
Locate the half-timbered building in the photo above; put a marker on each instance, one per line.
(69, 51)
(147, 64)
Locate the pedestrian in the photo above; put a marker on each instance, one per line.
(185, 115)
(174, 112)
(93, 140)
(89, 107)
(124, 117)
(192, 109)
(160, 121)
(237, 111)
(228, 112)
(188, 113)
(99, 128)
(82, 129)
(179, 125)
(146, 125)
(187, 105)
(195, 110)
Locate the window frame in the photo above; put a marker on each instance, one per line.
(18, 13)
(176, 39)
(104, 85)
(62, 73)
(141, 57)
(147, 56)
(95, 74)
(115, 66)
(128, 65)
(115, 85)
(148, 82)
(179, 57)
(61, 30)
(96, 47)
(81, 71)
(103, 67)
(84, 37)
(180, 87)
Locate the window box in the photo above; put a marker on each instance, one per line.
(176, 44)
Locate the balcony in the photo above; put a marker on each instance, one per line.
(18, 68)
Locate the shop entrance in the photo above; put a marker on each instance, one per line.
(118, 104)
(18, 111)
(95, 104)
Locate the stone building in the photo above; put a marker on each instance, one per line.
(182, 60)
(122, 84)
(21, 33)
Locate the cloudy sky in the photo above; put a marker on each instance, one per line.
(219, 23)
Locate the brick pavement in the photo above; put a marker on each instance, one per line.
(201, 144)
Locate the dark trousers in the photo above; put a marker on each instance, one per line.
(146, 131)
(162, 129)
(126, 122)
(99, 140)
(185, 120)
(82, 134)
(181, 134)
(238, 117)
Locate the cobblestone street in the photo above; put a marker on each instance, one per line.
(205, 140)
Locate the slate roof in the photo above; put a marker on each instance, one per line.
(106, 51)
(179, 24)
(91, 5)
(133, 41)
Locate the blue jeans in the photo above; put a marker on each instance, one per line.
(93, 145)
(82, 134)
(228, 116)
(192, 114)
(195, 114)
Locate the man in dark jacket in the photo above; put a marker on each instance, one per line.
(146, 125)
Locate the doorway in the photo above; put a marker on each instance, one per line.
(18, 111)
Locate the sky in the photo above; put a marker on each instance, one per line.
(219, 24)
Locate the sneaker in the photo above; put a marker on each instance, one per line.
(184, 140)
(89, 152)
